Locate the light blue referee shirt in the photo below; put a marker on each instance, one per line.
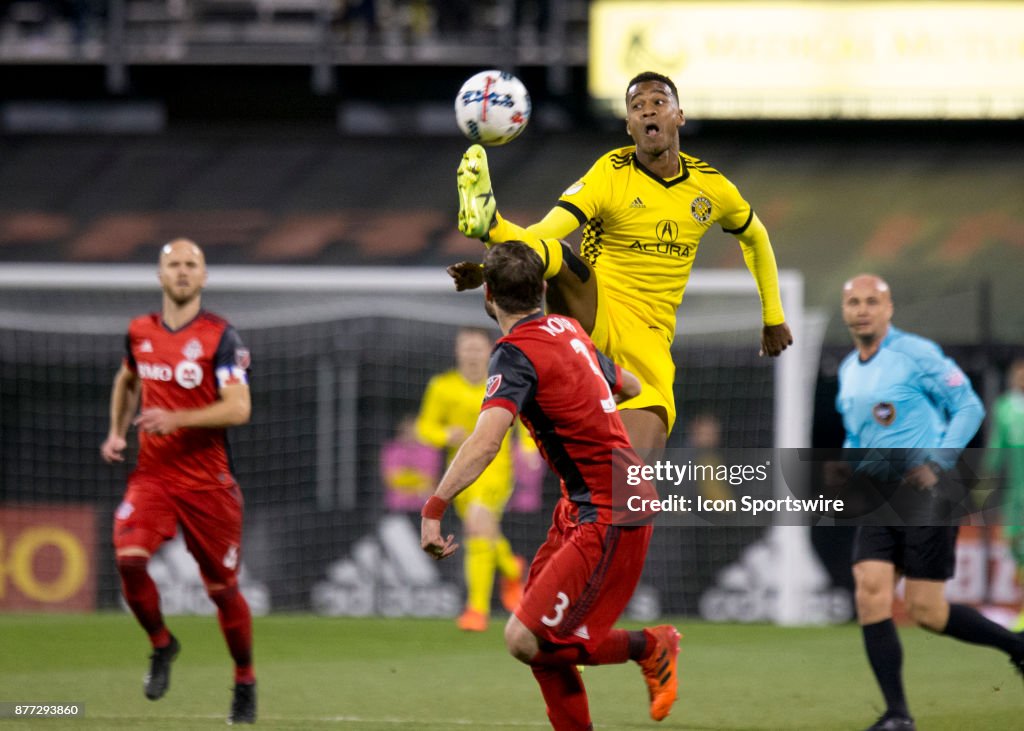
(908, 395)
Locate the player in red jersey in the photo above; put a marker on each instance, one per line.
(189, 369)
(546, 370)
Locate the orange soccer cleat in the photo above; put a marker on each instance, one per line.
(660, 670)
(472, 621)
(512, 589)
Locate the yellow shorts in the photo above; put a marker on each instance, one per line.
(639, 347)
(489, 493)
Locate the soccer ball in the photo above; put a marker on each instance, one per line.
(492, 107)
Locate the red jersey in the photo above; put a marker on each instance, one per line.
(184, 369)
(548, 372)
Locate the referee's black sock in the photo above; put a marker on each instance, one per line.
(968, 624)
(885, 653)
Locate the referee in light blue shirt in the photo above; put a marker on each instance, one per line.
(900, 392)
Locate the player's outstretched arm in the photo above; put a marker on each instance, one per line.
(478, 451)
(760, 260)
(470, 274)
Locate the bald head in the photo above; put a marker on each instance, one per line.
(865, 282)
(867, 310)
(182, 271)
(182, 246)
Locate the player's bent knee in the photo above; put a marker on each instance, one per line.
(927, 615)
(874, 600)
(520, 641)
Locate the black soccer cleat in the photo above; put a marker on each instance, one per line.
(1018, 660)
(1018, 664)
(158, 679)
(893, 722)
(243, 704)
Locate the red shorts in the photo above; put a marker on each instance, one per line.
(210, 520)
(581, 579)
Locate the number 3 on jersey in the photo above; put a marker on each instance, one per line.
(560, 605)
(607, 404)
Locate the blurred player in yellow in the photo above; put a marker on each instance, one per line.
(644, 209)
(451, 405)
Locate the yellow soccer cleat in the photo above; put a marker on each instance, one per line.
(660, 670)
(476, 198)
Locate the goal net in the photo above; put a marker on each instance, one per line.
(340, 359)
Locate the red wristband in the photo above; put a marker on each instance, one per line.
(434, 508)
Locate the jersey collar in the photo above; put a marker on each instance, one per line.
(657, 178)
(170, 329)
(529, 318)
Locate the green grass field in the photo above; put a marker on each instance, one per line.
(386, 674)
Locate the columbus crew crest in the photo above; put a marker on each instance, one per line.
(700, 209)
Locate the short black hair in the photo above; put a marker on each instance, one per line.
(653, 76)
(514, 274)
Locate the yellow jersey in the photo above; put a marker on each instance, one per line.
(641, 232)
(452, 401)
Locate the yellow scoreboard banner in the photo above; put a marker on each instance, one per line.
(792, 60)
(47, 558)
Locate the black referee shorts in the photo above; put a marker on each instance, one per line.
(918, 552)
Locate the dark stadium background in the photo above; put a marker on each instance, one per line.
(246, 151)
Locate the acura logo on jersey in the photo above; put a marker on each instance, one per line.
(155, 372)
(700, 209)
(188, 374)
(670, 249)
(493, 384)
(668, 231)
(884, 413)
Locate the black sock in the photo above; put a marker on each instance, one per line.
(885, 653)
(637, 645)
(969, 625)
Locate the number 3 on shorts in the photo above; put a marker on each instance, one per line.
(560, 605)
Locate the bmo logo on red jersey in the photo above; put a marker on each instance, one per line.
(155, 372)
(188, 374)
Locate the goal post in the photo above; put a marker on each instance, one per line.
(340, 354)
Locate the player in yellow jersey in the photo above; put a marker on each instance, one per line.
(451, 405)
(644, 209)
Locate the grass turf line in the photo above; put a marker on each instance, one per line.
(387, 674)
